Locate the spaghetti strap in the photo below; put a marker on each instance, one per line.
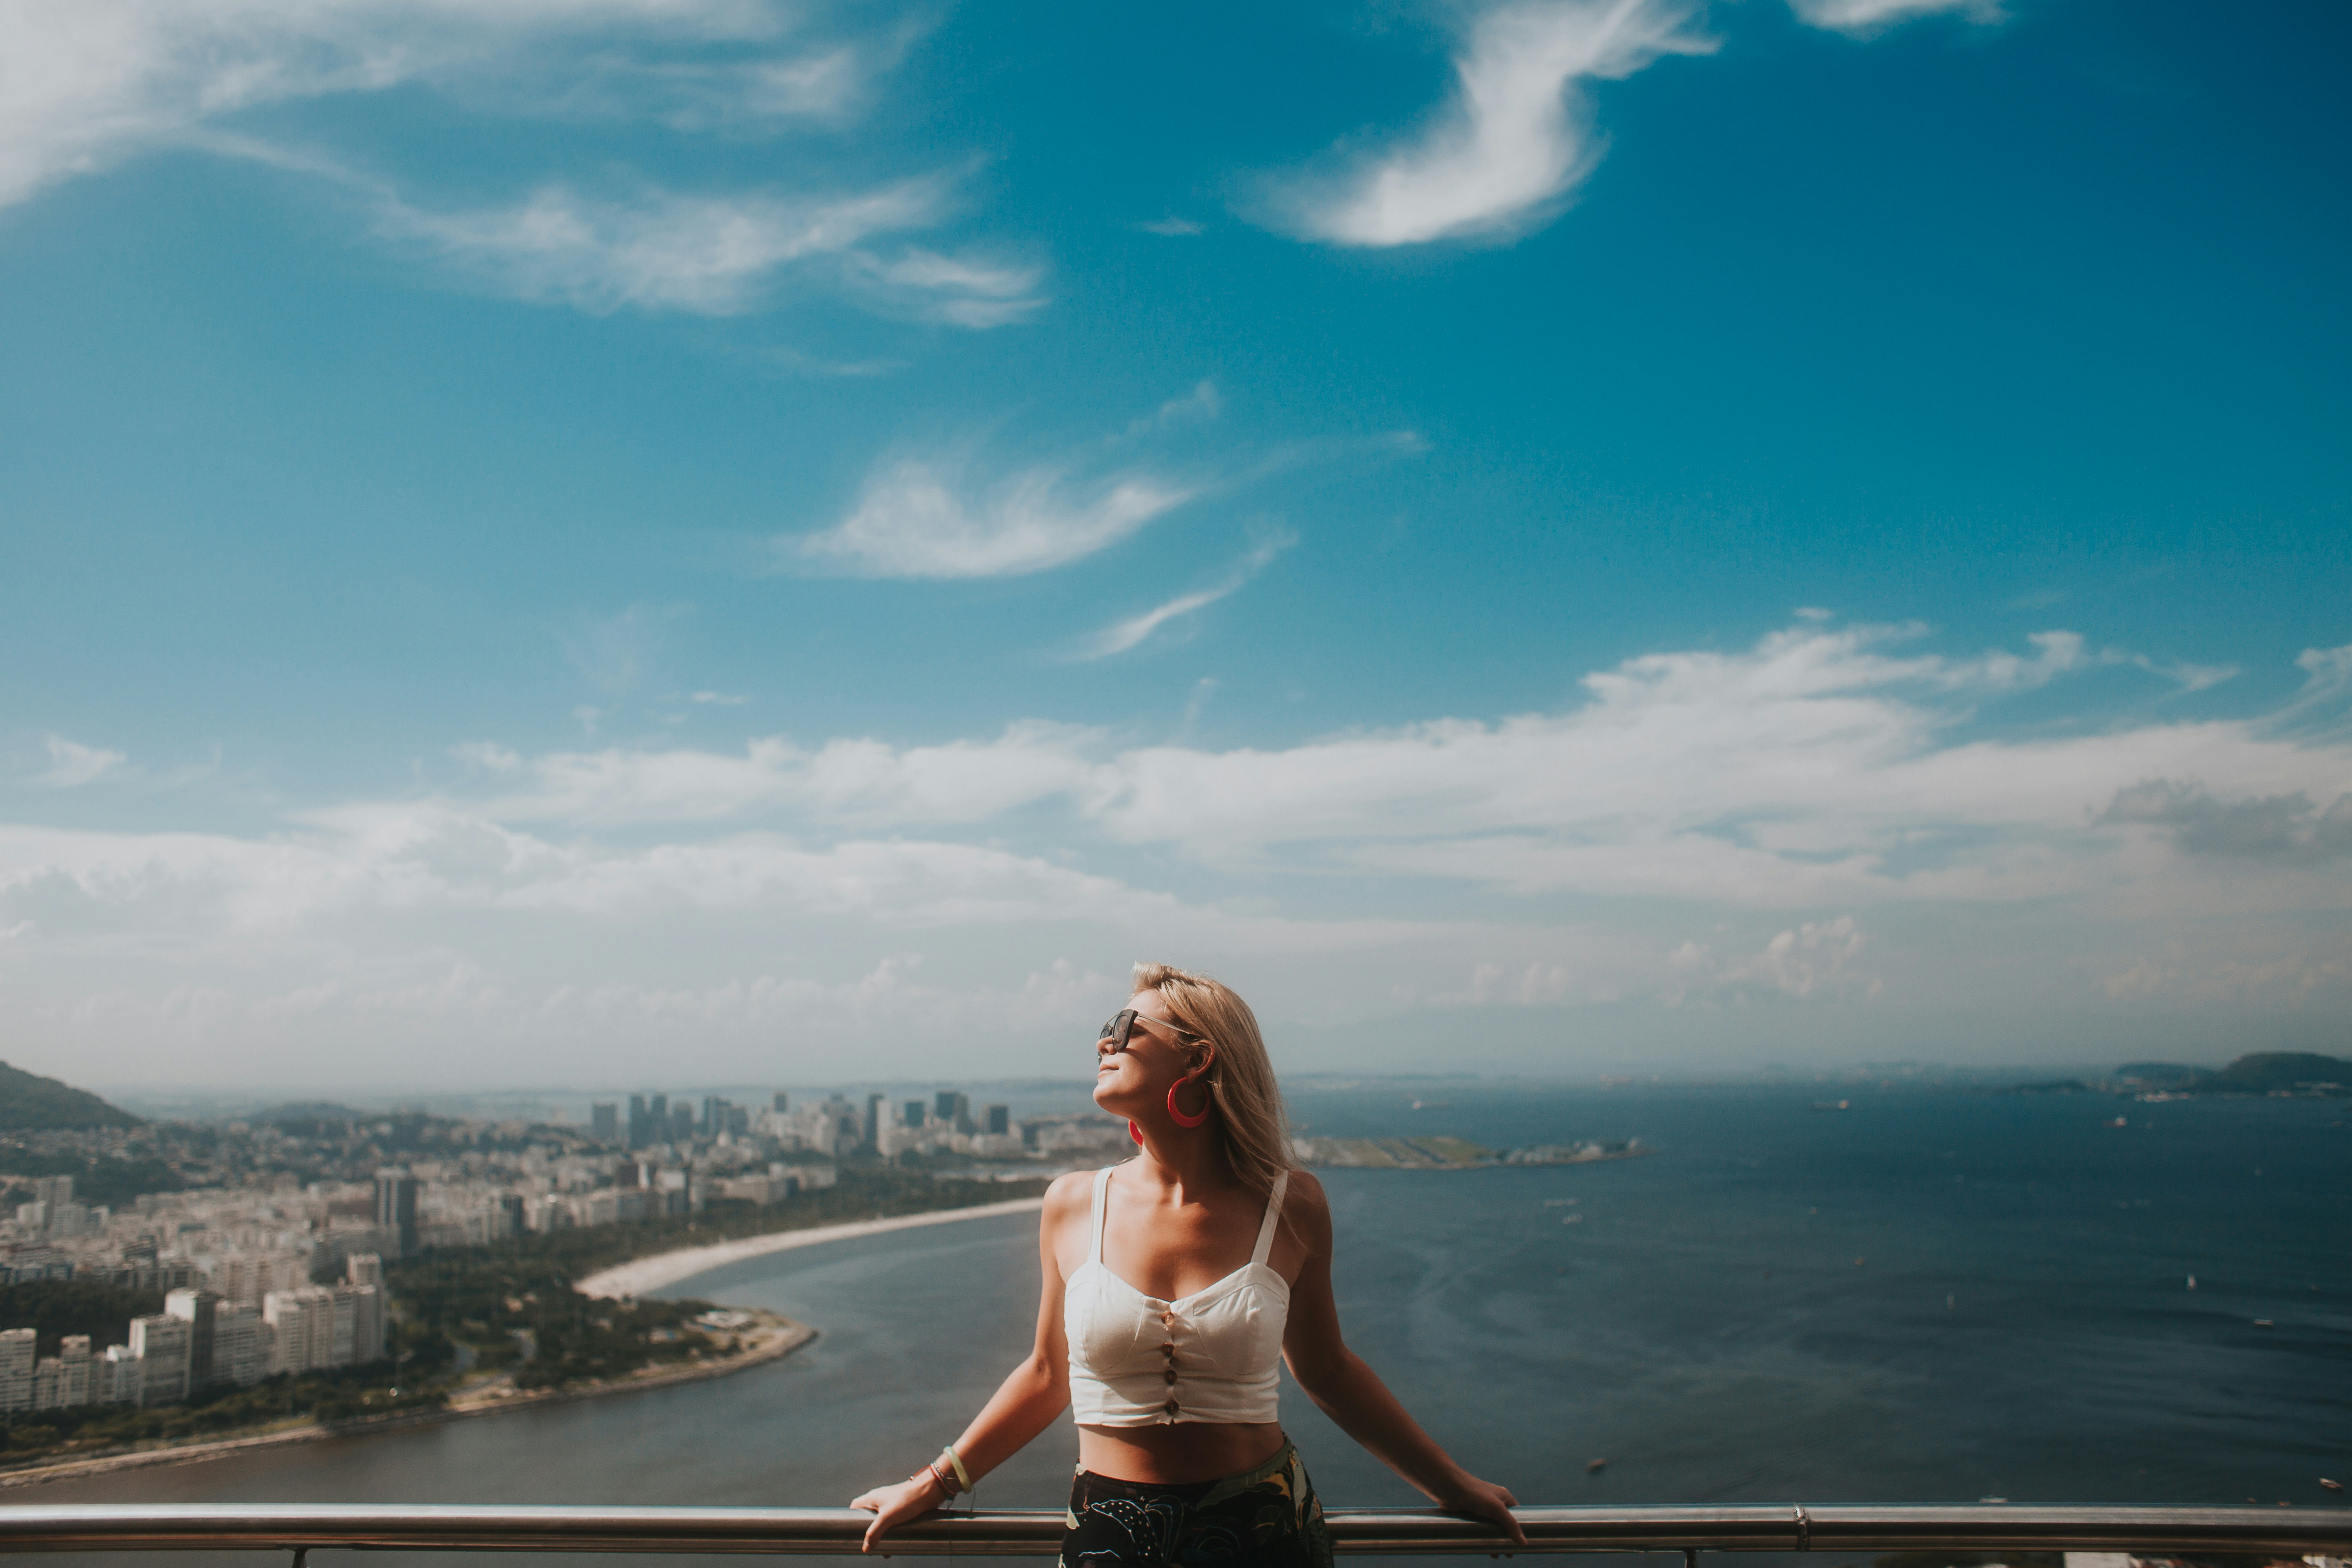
(1273, 1212)
(1102, 1182)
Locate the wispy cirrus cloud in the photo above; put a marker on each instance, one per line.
(87, 84)
(939, 516)
(1511, 144)
(1516, 138)
(711, 255)
(964, 291)
(72, 763)
(1867, 16)
(920, 520)
(1133, 632)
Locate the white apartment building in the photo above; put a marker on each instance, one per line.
(304, 1324)
(121, 1378)
(161, 1344)
(17, 1357)
(323, 1326)
(75, 1365)
(242, 1343)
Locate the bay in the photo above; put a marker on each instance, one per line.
(1924, 1297)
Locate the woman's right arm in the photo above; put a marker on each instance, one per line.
(1035, 1392)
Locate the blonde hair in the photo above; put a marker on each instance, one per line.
(1253, 1128)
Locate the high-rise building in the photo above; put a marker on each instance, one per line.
(364, 1269)
(16, 1369)
(714, 1116)
(911, 1113)
(53, 1190)
(242, 1343)
(395, 1208)
(657, 1118)
(118, 1379)
(605, 1123)
(367, 1322)
(873, 1138)
(681, 1122)
(783, 1102)
(303, 1322)
(641, 1123)
(161, 1344)
(1000, 1120)
(197, 1308)
(74, 1363)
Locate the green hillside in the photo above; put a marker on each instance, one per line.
(31, 1103)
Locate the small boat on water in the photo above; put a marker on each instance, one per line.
(1833, 1105)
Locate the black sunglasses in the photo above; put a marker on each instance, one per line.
(1122, 1025)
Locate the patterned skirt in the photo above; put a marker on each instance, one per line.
(1264, 1518)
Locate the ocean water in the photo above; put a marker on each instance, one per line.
(1928, 1297)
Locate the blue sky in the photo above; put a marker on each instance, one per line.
(798, 540)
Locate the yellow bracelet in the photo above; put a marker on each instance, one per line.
(964, 1477)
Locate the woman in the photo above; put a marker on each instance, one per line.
(1172, 1284)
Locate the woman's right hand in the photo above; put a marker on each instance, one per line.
(893, 1506)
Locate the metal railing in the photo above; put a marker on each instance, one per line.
(1019, 1532)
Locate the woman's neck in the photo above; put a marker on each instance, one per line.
(1187, 1169)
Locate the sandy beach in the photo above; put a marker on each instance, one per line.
(640, 1275)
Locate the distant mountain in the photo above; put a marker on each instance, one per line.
(2257, 1074)
(2281, 1070)
(31, 1103)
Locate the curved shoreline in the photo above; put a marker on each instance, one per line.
(785, 1336)
(634, 1277)
(641, 1275)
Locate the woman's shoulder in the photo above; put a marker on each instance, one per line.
(1305, 1210)
(1070, 1193)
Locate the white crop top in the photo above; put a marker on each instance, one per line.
(1214, 1355)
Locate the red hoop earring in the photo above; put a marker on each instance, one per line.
(1135, 1132)
(1178, 1116)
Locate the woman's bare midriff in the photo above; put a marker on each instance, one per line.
(1180, 1453)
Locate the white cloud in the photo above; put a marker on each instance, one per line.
(1201, 405)
(1712, 829)
(85, 83)
(1514, 141)
(919, 518)
(714, 255)
(1122, 635)
(960, 290)
(1818, 768)
(71, 763)
(1865, 17)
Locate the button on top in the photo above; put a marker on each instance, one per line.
(1169, 1374)
(1171, 1407)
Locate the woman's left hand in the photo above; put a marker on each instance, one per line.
(1484, 1499)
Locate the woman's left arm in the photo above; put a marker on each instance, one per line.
(1352, 1394)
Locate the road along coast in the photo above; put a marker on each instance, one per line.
(643, 1275)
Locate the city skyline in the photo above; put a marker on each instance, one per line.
(1580, 537)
